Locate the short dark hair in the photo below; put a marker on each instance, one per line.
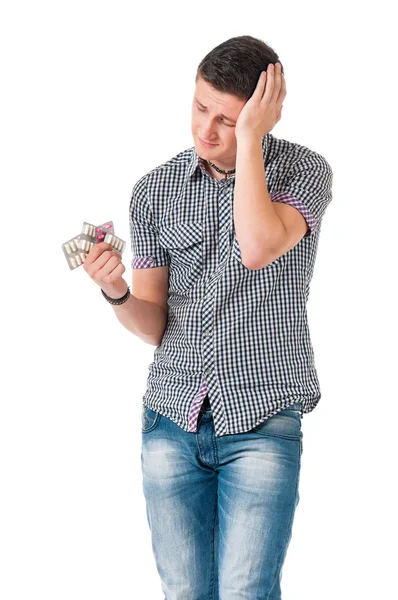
(234, 66)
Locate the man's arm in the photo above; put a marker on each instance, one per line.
(145, 312)
(259, 230)
(265, 229)
(143, 318)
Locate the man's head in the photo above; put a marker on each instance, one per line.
(225, 79)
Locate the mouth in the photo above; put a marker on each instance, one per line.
(207, 144)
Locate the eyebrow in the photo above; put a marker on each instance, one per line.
(220, 115)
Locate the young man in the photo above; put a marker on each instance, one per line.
(224, 239)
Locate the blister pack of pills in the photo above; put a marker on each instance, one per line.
(102, 230)
(77, 248)
(117, 244)
(73, 254)
(87, 237)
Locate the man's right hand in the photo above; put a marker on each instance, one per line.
(105, 267)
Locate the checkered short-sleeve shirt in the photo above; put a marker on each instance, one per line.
(239, 335)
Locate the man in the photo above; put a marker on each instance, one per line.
(224, 238)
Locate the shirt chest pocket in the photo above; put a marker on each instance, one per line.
(184, 244)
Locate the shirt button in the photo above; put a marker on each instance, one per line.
(207, 333)
(209, 371)
(223, 228)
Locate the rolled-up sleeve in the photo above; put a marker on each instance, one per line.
(308, 187)
(144, 237)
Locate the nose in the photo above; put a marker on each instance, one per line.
(207, 133)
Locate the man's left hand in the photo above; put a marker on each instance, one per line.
(263, 110)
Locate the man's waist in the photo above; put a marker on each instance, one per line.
(206, 403)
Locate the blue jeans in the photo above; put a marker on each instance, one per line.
(220, 510)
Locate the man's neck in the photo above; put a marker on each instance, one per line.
(215, 173)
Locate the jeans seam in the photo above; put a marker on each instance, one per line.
(214, 554)
(284, 549)
(278, 435)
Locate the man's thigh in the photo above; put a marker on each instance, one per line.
(257, 497)
(181, 506)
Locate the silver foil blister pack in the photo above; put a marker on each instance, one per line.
(87, 237)
(117, 244)
(102, 230)
(73, 254)
(77, 248)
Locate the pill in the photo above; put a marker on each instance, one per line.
(102, 230)
(116, 242)
(71, 249)
(88, 229)
(87, 237)
(85, 245)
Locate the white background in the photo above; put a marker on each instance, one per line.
(93, 96)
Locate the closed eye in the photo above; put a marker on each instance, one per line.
(204, 110)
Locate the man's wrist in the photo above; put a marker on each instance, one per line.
(116, 292)
(248, 139)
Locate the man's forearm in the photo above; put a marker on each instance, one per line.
(257, 225)
(143, 318)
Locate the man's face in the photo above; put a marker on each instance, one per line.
(207, 123)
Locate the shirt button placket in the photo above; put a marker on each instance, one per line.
(209, 306)
(207, 329)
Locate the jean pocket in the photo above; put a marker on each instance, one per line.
(149, 419)
(285, 423)
(184, 244)
(294, 408)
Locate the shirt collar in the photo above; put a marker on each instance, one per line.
(195, 160)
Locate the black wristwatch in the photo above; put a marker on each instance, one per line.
(121, 300)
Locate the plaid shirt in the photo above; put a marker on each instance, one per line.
(237, 334)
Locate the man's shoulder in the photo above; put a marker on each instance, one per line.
(176, 164)
(288, 153)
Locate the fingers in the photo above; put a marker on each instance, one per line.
(258, 92)
(115, 271)
(282, 91)
(99, 256)
(275, 90)
(95, 251)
